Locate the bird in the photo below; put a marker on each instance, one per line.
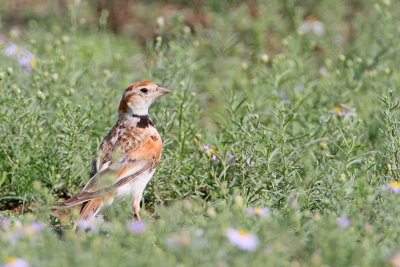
(127, 157)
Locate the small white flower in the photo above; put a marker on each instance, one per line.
(137, 227)
(260, 212)
(23, 56)
(343, 222)
(15, 262)
(242, 239)
(311, 25)
(393, 187)
(93, 225)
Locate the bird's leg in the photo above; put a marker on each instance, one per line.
(136, 207)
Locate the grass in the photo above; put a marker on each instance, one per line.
(312, 133)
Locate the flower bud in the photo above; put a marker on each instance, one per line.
(54, 77)
(65, 39)
(40, 95)
(160, 22)
(264, 58)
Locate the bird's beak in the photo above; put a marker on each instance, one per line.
(163, 91)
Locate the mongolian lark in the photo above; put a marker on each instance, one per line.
(128, 156)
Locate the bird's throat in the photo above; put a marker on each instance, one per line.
(144, 121)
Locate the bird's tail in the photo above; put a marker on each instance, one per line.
(69, 203)
(88, 212)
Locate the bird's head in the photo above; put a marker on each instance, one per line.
(138, 97)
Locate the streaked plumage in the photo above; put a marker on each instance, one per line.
(128, 155)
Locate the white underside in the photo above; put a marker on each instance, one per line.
(134, 188)
(126, 192)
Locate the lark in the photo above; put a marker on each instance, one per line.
(128, 156)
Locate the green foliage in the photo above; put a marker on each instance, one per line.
(309, 130)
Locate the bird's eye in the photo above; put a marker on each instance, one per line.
(144, 90)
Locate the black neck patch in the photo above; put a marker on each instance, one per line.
(144, 121)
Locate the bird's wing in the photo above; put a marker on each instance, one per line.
(141, 156)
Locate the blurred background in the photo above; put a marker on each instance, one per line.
(139, 19)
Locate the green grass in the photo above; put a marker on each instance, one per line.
(315, 160)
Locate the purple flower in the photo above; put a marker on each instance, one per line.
(85, 225)
(242, 239)
(250, 162)
(207, 148)
(323, 119)
(23, 56)
(15, 262)
(11, 50)
(282, 95)
(16, 235)
(22, 231)
(34, 227)
(214, 157)
(230, 158)
(27, 60)
(298, 88)
(5, 223)
(343, 222)
(136, 227)
(395, 260)
(260, 212)
(93, 225)
(393, 187)
(210, 152)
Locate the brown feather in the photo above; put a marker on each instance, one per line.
(89, 210)
(151, 148)
(90, 194)
(144, 83)
(123, 106)
(137, 144)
